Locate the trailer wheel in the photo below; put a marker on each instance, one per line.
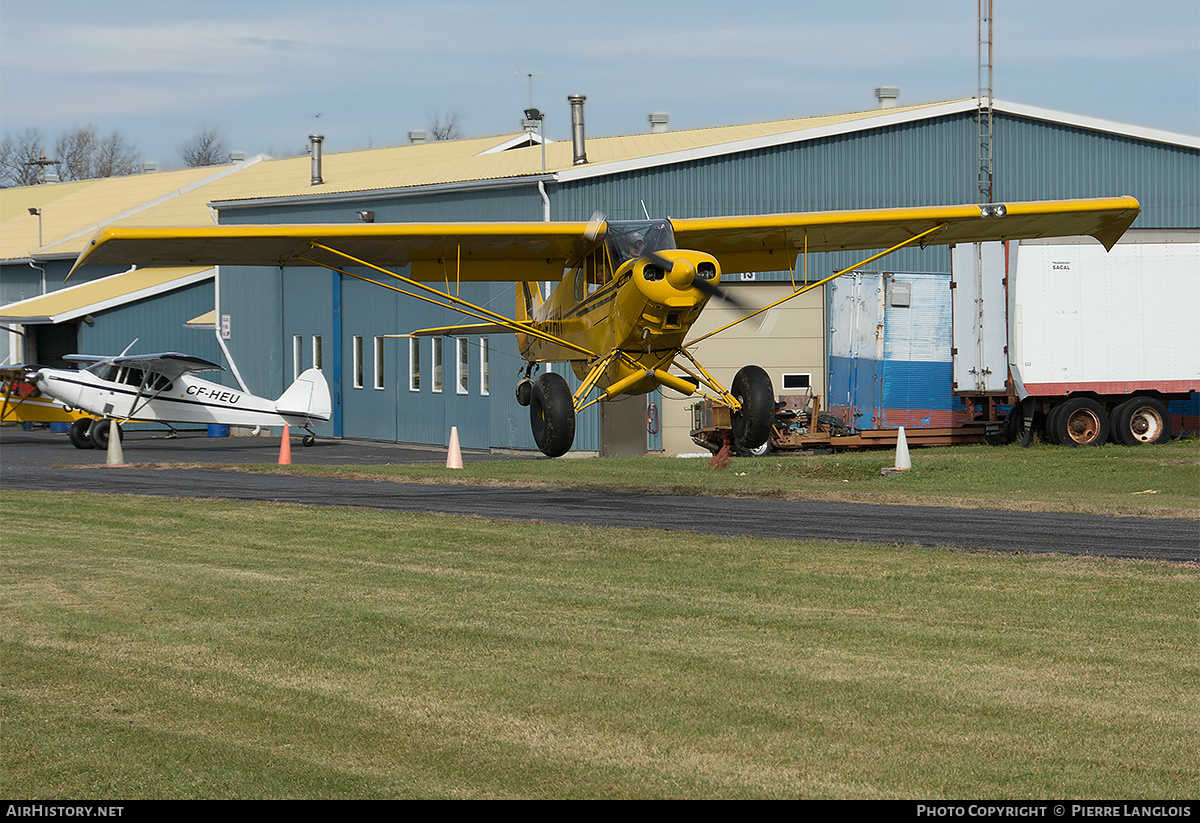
(1052, 427)
(552, 415)
(752, 423)
(1080, 421)
(1141, 420)
(78, 434)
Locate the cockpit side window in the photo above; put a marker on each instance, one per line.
(158, 382)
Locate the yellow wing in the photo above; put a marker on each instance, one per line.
(467, 252)
(771, 242)
(435, 251)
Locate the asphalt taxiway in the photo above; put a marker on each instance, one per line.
(42, 461)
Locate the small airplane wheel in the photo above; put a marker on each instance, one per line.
(78, 433)
(308, 439)
(99, 433)
(524, 390)
(752, 424)
(552, 415)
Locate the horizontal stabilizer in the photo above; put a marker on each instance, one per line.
(474, 328)
(307, 398)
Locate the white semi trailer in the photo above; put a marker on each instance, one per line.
(1088, 345)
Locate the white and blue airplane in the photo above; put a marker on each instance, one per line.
(162, 388)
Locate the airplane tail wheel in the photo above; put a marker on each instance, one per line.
(552, 415)
(752, 424)
(524, 391)
(78, 434)
(99, 433)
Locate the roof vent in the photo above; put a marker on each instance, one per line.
(316, 139)
(149, 166)
(418, 136)
(887, 96)
(576, 101)
(658, 122)
(237, 157)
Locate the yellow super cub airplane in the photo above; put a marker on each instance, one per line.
(631, 290)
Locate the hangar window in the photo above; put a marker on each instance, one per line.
(484, 367)
(318, 361)
(414, 364)
(378, 362)
(358, 361)
(297, 355)
(463, 372)
(437, 364)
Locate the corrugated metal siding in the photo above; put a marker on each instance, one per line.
(1037, 160)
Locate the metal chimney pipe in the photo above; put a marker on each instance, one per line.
(576, 101)
(316, 158)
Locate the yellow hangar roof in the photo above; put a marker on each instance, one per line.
(72, 212)
(484, 158)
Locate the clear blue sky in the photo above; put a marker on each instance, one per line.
(267, 73)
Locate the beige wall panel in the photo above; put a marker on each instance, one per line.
(791, 340)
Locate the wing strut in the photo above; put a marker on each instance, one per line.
(451, 302)
(812, 286)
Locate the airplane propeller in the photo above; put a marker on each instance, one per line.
(699, 283)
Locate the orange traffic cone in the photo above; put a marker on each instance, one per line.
(285, 447)
(454, 453)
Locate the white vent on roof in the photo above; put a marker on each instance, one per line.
(887, 96)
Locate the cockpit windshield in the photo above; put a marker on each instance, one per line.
(628, 239)
(105, 370)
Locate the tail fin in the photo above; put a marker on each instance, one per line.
(529, 300)
(307, 398)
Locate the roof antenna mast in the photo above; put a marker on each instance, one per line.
(984, 100)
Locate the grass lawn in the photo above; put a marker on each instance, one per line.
(175, 649)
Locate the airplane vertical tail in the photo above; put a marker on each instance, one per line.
(307, 398)
(529, 304)
(529, 300)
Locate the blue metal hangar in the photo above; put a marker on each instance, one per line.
(276, 323)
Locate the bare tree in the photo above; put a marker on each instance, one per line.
(82, 155)
(205, 149)
(444, 126)
(22, 159)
